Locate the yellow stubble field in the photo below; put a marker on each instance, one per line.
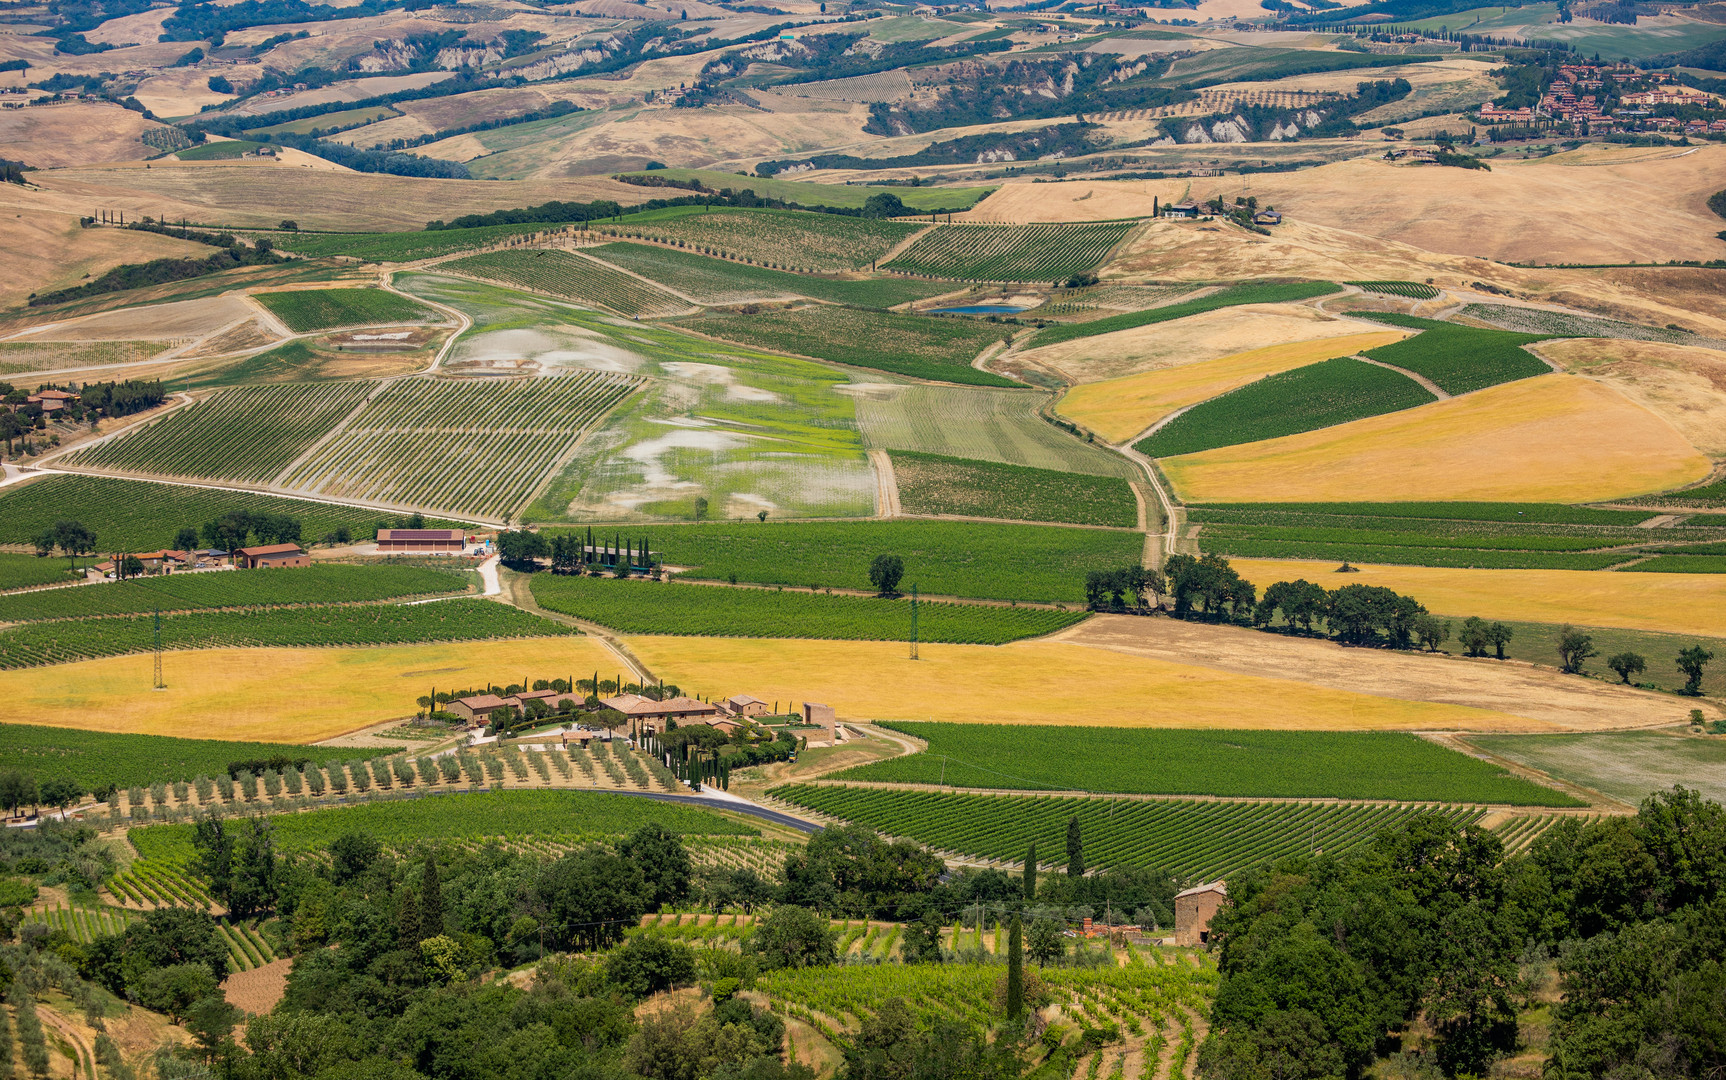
(1673, 603)
(279, 695)
(1036, 682)
(1554, 438)
(1120, 408)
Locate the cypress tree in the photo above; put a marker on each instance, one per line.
(1015, 969)
(408, 919)
(1075, 849)
(1031, 873)
(431, 898)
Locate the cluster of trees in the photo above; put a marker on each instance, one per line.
(161, 271)
(1576, 648)
(19, 789)
(234, 529)
(1327, 964)
(570, 553)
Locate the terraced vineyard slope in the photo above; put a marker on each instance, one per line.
(1010, 253)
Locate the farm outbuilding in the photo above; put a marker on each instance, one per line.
(477, 710)
(272, 555)
(745, 705)
(655, 714)
(1194, 909)
(422, 541)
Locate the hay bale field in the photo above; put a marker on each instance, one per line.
(1118, 409)
(1210, 335)
(1671, 603)
(1548, 439)
(1014, 684)
(236, 693)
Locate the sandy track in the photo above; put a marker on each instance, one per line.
(1508, 687)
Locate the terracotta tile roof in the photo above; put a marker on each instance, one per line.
(271, 549)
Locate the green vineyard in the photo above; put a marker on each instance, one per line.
(321, 309)
(558, 817)
(782, 239)
(577, 277)
(466, 447)
(1459, 358)
(1316, 396)
(1414, 290)
(137, 515)
(932, 484)
(1010, 253)
(65, 641)
(323, 584)
(249, 433)
(639, 607)
(1282, 293)
(1190, 839)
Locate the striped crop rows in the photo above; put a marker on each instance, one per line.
(460, 446)
(1017, 253)
(1194, 839)
(578, 277)
(1414, 290)
(249, 433)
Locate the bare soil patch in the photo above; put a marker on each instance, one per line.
(258, 990)
(250, 334)
(1508, 687)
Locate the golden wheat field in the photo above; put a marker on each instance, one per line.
(278, 695)
(1674, 603)
(1682, 383)
(1554, 438)
(1119, 409)
(1017, 684)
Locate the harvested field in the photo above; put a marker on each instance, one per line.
(1210, 335)
(1546, 439)
(1592, 205)
(180, 321)
(1627, 766)
(1012, 684)
(64, 136)
(235, 693)
(262, 195)
(47, 251)
(1519, 689)
(1671, 603)
(1118, 409)
(1683, 384)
